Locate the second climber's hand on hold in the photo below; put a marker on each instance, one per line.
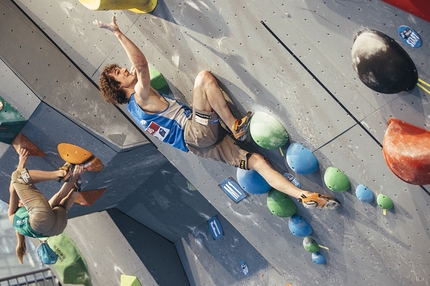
(23, 157)
(113, 27)
(78, 170)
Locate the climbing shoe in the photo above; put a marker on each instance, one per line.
(240, 129)
(316, 200)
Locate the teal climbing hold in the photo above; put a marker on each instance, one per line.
(267, 131)
(336, 180)
(280, 204)
(11, 122)
(364, 194)
(301, 160)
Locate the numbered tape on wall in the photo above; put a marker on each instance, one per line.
(215, 228)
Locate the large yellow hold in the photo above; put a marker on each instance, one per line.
(137, 6)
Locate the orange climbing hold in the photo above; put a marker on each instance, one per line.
(21, 141)
(419, 8)
(87, 198)
(406, 150)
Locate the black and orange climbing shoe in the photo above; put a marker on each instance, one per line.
(240, 129)
(316, 200)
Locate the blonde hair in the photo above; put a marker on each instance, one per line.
(21, 247)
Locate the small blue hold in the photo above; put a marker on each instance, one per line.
(364, 194)
(318, 258)
(299, 226)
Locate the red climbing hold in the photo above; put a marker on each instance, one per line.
(406, 150)
(420, 8)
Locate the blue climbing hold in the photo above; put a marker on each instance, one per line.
(299, 226)
(318, 258)
(252, 182)
(301, 160)
(364, 194)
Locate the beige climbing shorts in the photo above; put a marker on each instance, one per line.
(206, 138)
(44, 220)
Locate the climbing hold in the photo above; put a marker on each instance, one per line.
(11, 122)
(301, 160)
(267, 131)
(158, 82)
(384, 202)
(406, 151)
(87, 198)
(136, 6)
(318, 258)
(364, 194)
(381, 63)
(21, 141)
(128, 280)
(299, 226)
(336, 180)
(310, 244)
(280, 204)
(409, 36)
(252, 182)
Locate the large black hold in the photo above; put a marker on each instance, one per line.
(381, 63)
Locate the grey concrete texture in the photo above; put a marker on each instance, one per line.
(218, 262)
(158, 254)
(310, 87)
(106, 250)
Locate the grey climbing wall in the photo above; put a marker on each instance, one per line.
(292, 60)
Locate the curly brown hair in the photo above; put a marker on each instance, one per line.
(109, 87)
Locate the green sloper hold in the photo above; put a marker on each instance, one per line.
(158, 82)
(267, 131)
(310, 244)
(384, 202)
(128, 280)
(336, 180)
(280, 204)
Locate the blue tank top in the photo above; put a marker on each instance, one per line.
(167, 125)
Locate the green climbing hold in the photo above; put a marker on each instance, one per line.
(267, 131)
(280, 204)
(310, 244)
(158, 82)
(384, 202)
(336, 180)
(11, 122)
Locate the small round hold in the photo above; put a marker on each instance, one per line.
(364, 194)
(318, 258)
(385, 202)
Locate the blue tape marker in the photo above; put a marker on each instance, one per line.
(409, 36)
(233, 190)
(215, 228)
(244, 268)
